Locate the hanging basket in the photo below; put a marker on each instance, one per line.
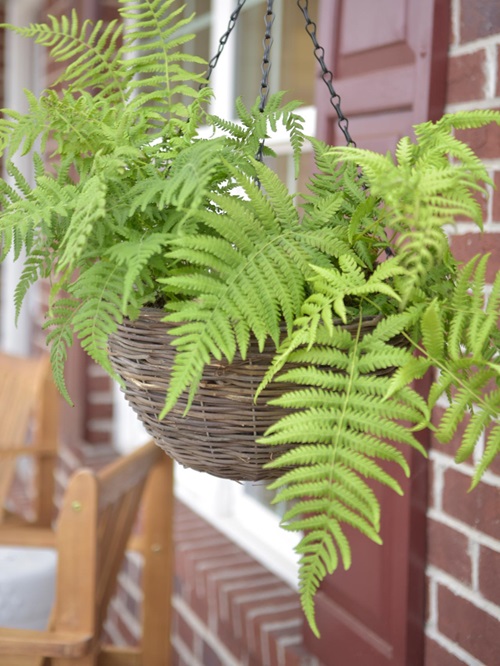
(218, 434)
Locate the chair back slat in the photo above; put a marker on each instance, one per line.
(22, 385)
(116, 524)
(96, 519)
(100, 510)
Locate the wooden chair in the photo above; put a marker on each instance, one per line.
(97, 516)
(28, 426)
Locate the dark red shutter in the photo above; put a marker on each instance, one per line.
(389, 63)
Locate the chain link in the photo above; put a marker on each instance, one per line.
(326, 75)
(267, 42)
(223, 40)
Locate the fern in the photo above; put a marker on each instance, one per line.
(423, 190)
(134, 255)
(247, 275)
(99, 312)
(157, 64)
(458, 339)
(35, 268)
(90, 207)
(90, 49)
(60, 338)
(342, 428)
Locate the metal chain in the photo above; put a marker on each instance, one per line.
(327, 76)
(223, 40)
(267, 42)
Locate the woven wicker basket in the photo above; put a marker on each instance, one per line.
(219, 432)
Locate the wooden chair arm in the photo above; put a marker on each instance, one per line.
(35, 537)
(37, 451)
(120, 656)
(44, 643)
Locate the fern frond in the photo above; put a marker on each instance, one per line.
(341, 427)
(460, 341)
(152, 45)
(36, 266)
(468, 119)
(90, 207)
(59, 322)
(261, 257)
(424, 191)
(135, 255)
(91, 50)
(98, 290)
(492, 449)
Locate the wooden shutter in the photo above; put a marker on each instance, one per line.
(389, 60)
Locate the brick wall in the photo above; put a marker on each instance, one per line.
(228, 610)
(463, 624)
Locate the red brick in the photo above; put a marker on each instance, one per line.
(466, 246)
(248, 612)
(478, 508)
(275, 640)
(97, 437)
(280, 609)
(478, 19)
(489, 574)
(224, 586)
(447, 550)
(176, 659)
(432, 472)
(210, 657)
(495, 215)
(199, 606)
(297, 655)
(183, 630)
(435, 655)
(233, 643)
(227, 591)
(124, 630)
(99, 383)
(484, 141)
(100, 411)
(495, 465)
(473, 629)
(498, 70)
(466, 77)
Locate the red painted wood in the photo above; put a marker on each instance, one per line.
(389, 61)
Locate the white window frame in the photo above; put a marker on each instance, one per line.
(24, 65)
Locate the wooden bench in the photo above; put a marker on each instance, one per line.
(28, 426)
(96, 520)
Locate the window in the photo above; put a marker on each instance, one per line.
(243, 511)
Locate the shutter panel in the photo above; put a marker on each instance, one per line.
(388, 58)
(389, 62)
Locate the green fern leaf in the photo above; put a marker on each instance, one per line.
(59, 321)
(491, 451)
(98, 289)
(433, 332)
(90, 207)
